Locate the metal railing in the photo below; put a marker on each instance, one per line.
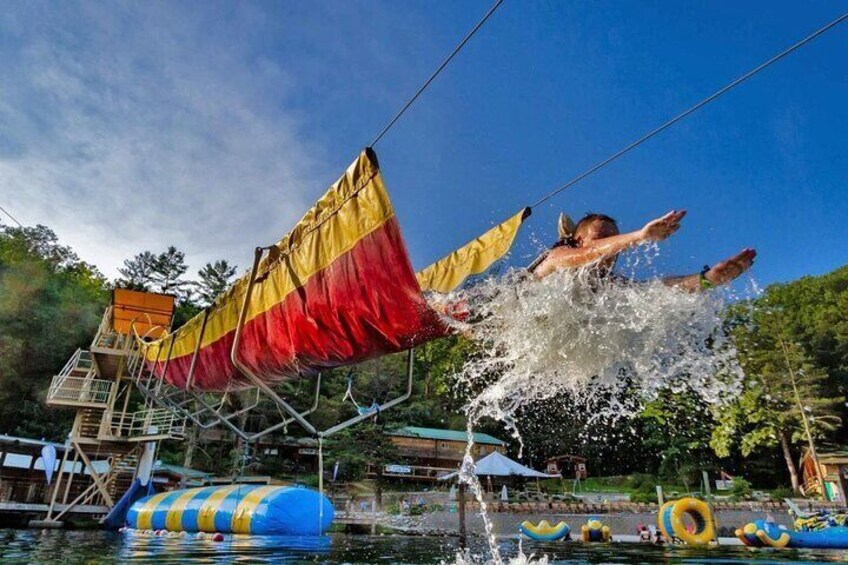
(152, 422)
(80, 362)
(106, 336)
(432, 453)
(79, 390)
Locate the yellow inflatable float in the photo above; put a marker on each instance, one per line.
(544, 531)
(595, 531)
(670, 521)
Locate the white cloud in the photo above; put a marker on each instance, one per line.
(140, 125)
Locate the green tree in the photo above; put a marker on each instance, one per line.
(137, 272)
(214, 279)
(168, 270)
(50, 304)
(779, 373)
(363, 446)
(157, 273)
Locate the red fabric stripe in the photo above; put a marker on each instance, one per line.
(367, 303)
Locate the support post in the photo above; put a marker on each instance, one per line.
(190, 376)
(70, 480)
(161, 380)
(95, 477)
(259, 383)
(57, 484)
(460, 506)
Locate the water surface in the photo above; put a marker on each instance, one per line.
(70, 547)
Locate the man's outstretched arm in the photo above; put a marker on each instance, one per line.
(597, 250)
(720, 273)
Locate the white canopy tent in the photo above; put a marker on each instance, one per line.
(498, 465)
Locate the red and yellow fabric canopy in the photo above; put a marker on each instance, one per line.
(337, 290)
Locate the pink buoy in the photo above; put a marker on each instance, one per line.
(218, 536)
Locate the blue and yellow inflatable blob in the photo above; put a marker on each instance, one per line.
(544, 531)
(768, 534)
(237, 509)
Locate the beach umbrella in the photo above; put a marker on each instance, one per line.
(504, 494)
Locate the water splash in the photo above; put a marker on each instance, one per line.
(610, 344)
(468, 558)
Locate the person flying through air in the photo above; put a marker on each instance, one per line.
(595, 239)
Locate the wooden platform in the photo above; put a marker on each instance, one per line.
(19, 507)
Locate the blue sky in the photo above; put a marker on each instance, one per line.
(213, 126)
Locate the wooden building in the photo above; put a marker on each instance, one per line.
(425, 454)
(834, 469)
(293, 456)
(24, 491)
(567, 466)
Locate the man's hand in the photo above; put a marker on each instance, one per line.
(661, 228)
(729, 269)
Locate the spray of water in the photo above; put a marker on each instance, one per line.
(598, 340)
(468, 558)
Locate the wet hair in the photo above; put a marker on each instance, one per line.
(585, 222)
(591, 218)
(571, 240)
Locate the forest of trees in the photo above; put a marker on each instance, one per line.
(51, 303)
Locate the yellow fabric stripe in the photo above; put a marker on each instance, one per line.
(473, 258)
(356, 205)
(174, 517)
(145, 513)
(206, 514)
(244, 512)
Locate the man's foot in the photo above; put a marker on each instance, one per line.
(729, 269)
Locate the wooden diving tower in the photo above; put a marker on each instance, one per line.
(113, 419)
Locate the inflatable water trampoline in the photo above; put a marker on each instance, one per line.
(236, 509)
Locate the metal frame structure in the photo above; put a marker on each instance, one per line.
(194, 405)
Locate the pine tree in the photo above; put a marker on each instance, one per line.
(214, 279)
(168, 270)
(137, 272)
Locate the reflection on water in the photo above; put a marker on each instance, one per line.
(70, 547)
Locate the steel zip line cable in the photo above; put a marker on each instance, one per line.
(433, 76)
(14, 219)
(697, 106)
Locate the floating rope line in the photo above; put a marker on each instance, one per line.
(444, 64)
(697, 106)
(14, 219)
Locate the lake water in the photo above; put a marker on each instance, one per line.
(93, 547)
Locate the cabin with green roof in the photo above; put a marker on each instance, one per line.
(424, 454)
